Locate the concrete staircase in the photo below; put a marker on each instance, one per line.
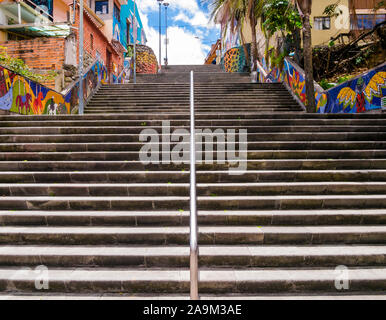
(75, 198)
(208, 75)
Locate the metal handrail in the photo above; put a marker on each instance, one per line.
(193, 201)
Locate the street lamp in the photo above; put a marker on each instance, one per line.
(166, 32)
(160, 2)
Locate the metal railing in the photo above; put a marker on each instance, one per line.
(193, 201)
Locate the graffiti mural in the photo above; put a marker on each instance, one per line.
(234, 60)
(296, 81)
(24, 96)
(361, 94)
(21, 95)
(146, 60)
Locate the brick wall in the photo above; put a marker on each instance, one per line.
(38, 53)
(99, 43)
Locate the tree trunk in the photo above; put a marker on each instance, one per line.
(244, 47)
(254, 43)
(297, 45)
(308, 69)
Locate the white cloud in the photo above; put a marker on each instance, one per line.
(198, 19)
(184, 46)
(152, 5)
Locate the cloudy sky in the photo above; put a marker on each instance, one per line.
(189, 31)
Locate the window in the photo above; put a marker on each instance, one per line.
(117, 13)
(367, 21)
(101, 7)
(91, 41)
(322, 23)
(128, 32)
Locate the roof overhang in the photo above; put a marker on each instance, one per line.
(39, 30)
(27, 13)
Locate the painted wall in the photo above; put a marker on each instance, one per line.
(234, 59)
(120, 27)
(60, 10)
(340, 24)
(364, 93)
(24, 96)
(146, 60)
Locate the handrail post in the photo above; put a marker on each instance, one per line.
(193, 201)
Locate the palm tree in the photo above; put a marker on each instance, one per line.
(235, 13)
(304, 7)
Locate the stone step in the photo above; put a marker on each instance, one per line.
(178, 256)
(279, 141)
(176, 106)
(222, 297)
(112, 110)
(111, 130)
(49, 133)
(205, 218)
(208, 235)
(343, 119)
(239, 167)
(133, 155)
(203, 189)
(138, 96)
(183, 107)
(182, 176)
(287, 202)
(197, 98)
(175, 281)
(245, 123)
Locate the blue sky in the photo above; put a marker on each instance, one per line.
(189, 31)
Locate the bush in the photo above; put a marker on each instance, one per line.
(326, 85)
(17, 65)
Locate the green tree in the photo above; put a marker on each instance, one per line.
(281, 16)
(235, 13)
(304, 7)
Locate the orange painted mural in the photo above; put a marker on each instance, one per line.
(146, 60)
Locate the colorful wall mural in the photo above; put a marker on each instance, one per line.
(120, 24)
(361, 94)
(21, 95)
(146, 60)
(24, 96)
(234, 60)
(125, 75)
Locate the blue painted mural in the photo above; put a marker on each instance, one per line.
(364, 93)
(120, 18)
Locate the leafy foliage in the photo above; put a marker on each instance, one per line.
(326, 85)
(331, 10)
(17, 65)
(280, 16)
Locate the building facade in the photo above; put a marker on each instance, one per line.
(353, 15)
(45, 34)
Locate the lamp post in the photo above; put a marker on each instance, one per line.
(81, 104)
(160, 2)
(166, 33)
